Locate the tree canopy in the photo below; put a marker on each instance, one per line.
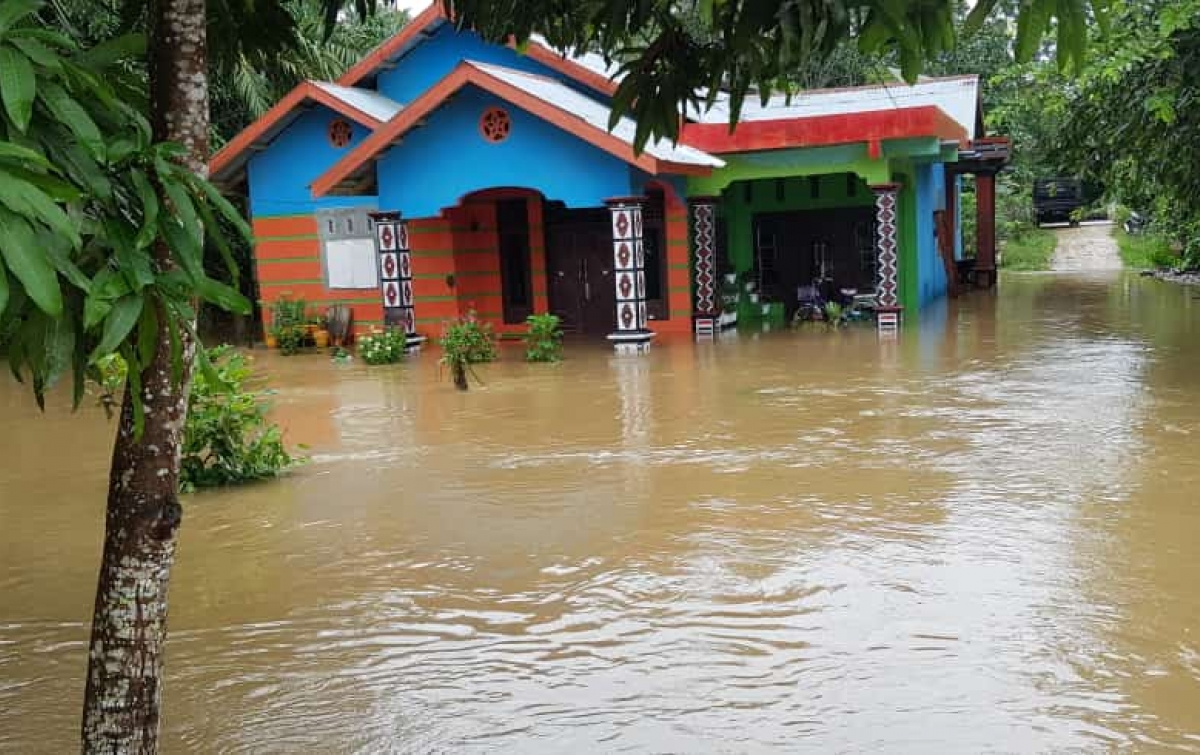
(675, 55)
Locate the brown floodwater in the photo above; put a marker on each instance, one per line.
(981, 537)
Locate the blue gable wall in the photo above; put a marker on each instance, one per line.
(436, 165)
(437, 56)
(930, 186)
(280, 176)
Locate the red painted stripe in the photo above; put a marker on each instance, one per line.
(290, 271)
(843, 128)
(290, 225)
(271, 250)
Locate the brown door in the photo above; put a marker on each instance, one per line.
(579, 267)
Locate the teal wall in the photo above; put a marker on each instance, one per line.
(930, 196)
(280, 176)
(436, 57)
(436, 165)
(739, 213)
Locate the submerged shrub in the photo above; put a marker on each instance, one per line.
(383, 346)
(543, 342)
(466, 341)
(227, 439)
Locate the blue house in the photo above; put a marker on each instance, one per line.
(444, 174)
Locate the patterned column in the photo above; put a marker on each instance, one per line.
(704, 248)
(887, 288)
(629, 274)
(395, 273)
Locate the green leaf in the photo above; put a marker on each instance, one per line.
(120, 321)
(977, 16)
(3, 289)
(26, 199)
(73, 116)
(22, 154)
(12, 11)
(19, 248)
(148, 333)
(223, 296)
(149, 229)
(18, 86)
(42, 56)
(59, 253)
(103, 55)
(226, 209)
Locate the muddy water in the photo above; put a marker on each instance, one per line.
(982, 537)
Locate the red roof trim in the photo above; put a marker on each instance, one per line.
(569, 68)
(824, 130)
(302, 93)
(466, 74)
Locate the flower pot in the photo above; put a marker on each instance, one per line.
(320, 338)
(272, 341)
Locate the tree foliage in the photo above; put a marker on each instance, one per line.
(677, 56)
(84, 196)
(1134, 118)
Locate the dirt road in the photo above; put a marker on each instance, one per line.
(1088, 247)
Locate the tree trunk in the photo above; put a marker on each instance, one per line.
(458, 371)
(125, 659)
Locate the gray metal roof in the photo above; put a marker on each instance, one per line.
(595, 114)
(369, 101)
(957, 97)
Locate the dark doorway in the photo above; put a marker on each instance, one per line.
(832, 249)
(512, 228)
(579, 260)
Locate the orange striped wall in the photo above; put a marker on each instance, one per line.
(287, 261)
(679, 275)
(432, 243)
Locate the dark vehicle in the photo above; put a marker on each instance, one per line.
(1055, 200)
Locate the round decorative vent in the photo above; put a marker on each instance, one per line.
(495, 125)
(340, 133)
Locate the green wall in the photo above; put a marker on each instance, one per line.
(739, 210)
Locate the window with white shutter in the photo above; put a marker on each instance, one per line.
(348, 249)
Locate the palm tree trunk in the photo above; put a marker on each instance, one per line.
(125, 659)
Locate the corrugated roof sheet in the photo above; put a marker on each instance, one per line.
(594, 113)
(958, 97)
(594, 62)
(372, 103)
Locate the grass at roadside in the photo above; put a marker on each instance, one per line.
(1145, 251)
(1030, 249)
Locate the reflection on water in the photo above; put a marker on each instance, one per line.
(978, 537)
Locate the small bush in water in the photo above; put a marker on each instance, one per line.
(382, 346)
(466, 341)
(226, 437)
(543, 342)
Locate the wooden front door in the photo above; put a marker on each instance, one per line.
(579, 267)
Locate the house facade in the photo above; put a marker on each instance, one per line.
(445, 174)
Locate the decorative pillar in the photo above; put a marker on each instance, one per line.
(395, 274)
(629, 275)
(887, 287)
(985, 229)
(707, 310)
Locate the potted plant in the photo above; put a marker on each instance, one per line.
(320, 332)
(288, 324)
